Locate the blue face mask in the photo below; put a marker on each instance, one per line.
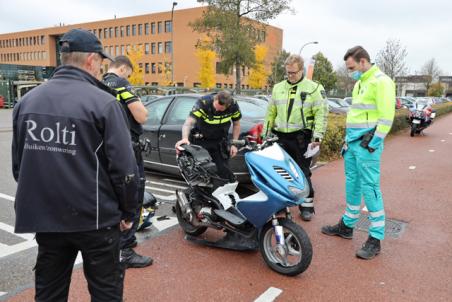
(356, 75)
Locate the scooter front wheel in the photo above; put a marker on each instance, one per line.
(186, 225)
(292, 258)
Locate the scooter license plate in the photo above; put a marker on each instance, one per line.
(416, 121)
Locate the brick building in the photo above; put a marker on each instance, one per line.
(155, 33)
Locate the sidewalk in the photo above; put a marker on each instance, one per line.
(416, 185)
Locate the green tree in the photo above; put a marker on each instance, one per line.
(436, 89)
(278, 71)
(232, 26)
(344, 84)
(323, 72)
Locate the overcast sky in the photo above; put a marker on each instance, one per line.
(423, 27)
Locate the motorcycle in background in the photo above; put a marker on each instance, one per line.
(420, 117)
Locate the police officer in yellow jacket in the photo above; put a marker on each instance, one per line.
(368, 122)
(298, 114)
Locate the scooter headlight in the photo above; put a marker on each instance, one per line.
(299, 194)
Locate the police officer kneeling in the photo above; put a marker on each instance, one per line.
(211, 119)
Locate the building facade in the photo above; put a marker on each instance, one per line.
(157, 34)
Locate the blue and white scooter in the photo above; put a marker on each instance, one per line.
(261, 220)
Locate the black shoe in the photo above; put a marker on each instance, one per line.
(339, 229)
(134, 260)
(370, 249)
(306, 213)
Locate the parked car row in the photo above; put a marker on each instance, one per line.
(163, 129)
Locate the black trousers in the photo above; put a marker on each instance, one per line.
(128, 237)
(56, 256)
(296, 144)
(219, 152)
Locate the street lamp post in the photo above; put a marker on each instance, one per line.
(312, 42)
(172, 43)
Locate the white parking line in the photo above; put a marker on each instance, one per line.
(443, 140)
(269, 295)
(163, 224)
(161, 190)
(3, 293)
(166, 185)
(7, 250)
(167, 198)
(176, 181)
(412, 167)
(7, 197)
(431, 150)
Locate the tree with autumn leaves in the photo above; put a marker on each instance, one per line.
(258, 74)
(206, 57)
(135, 53)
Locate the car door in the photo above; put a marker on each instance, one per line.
(156, 112)
(171, 130)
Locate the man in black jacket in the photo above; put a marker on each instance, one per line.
(76, 173)
(116, 78)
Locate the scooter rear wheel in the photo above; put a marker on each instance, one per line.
(186, 225)
(297, 247)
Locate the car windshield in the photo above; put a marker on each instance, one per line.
(251, 109)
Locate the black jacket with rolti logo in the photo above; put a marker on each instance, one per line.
(72, 156)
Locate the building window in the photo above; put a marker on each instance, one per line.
(159, 68)
(154, 83)
(116, 31)
(146, 48)
(168, 47)
(153, 28)
(110, 32)
(153, 48)
(122, 50)
(134, 30)
(168, 26)
(218, 85)
(105, 33)
(34, 41)
(100, 33)
(146, 68)
(152, 67)
(111, 51)
(146, 29)
(160, 47)
(94, 33)
(117, 50)
(127, 30)
(159, 27)
(121, 31)
(140, 29)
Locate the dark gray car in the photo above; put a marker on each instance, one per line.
(164, 128)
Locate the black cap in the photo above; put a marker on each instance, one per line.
(82, 40)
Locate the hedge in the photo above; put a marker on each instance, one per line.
(335, 133)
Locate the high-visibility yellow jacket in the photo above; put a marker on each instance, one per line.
(373, 107)
(314, 108)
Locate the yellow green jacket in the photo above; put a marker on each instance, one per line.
(315, 108)
(373, 107)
